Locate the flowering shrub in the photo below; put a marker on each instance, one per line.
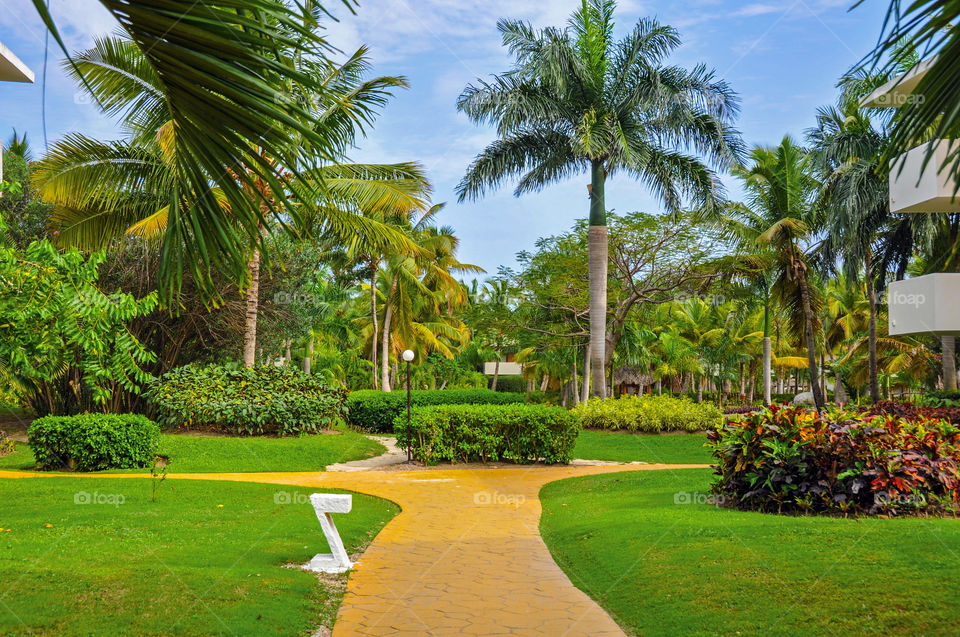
(466, 433)
(795, 460)
(648, 414)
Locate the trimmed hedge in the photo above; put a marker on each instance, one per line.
(375, 410)
(797, 460)
(92, 442)
(648, 414)
(247, 401)
(511, 384)
(471, 433)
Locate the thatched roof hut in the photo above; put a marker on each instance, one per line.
(631, 378)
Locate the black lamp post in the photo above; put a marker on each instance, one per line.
(408, 356)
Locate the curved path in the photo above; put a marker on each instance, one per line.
(464, 557)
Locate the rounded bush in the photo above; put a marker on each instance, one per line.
(92, 442)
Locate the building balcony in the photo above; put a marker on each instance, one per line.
(918, 188)
(927, 304)
(11, 68)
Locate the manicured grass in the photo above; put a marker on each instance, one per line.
(661, 567)
(181, 566)
(630, 447)
(222, 454)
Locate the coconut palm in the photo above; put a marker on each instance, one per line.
(576, 100)
(780, 190)
(106, 190)
(225, 74)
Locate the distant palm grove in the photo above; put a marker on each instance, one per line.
(253, 240)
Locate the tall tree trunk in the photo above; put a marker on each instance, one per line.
(252, 304)
(743, 383)
(308, 359)
(286, 350)
(949, 344)
(496, 372)
(545, 383)
(872, 336)
(597, 262)
(576, 385)
(767, 347)
(700, 390)
(385, 343)
(374, 266)
(811, 342)
(587, 362)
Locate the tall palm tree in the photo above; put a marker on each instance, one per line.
(780, 191)
(224, 73)
(576, 100)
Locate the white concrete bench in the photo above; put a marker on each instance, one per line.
(324, 504)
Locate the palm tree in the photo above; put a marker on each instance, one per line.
(577, 100)
(227, 78)
(106, 190)
(430, 270)
(780, 193)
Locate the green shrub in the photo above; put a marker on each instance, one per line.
(791, 459)
(91, 442)
(469, 433)
(376, 410)
(248, 401)
(648, 414)
(511, 384)
(6, 445)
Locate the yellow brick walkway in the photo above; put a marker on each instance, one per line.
(464, 557)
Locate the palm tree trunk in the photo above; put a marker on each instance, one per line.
(308, 358)
(576, 384)
(949, 344)
(496, 372)
(597, 261)
(767, 350)
(700, 390)
(545, 383)
(373, 321)
(872, 336)
(252, 305)
(587, 361)
(385, 344)
(811, 343)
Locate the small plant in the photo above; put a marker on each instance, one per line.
(6, 444)
(158, 473)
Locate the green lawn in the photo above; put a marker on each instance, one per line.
(181, 566)
(662, 567)
(220, 454)
(629, 447)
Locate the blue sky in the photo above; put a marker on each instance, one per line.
(783, 58)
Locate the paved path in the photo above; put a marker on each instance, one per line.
(464, 557)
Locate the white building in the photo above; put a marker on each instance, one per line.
(927, 304)
(11, 70)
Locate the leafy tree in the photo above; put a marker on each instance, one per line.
(577, 100)
(25, 214)
(64, 345)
